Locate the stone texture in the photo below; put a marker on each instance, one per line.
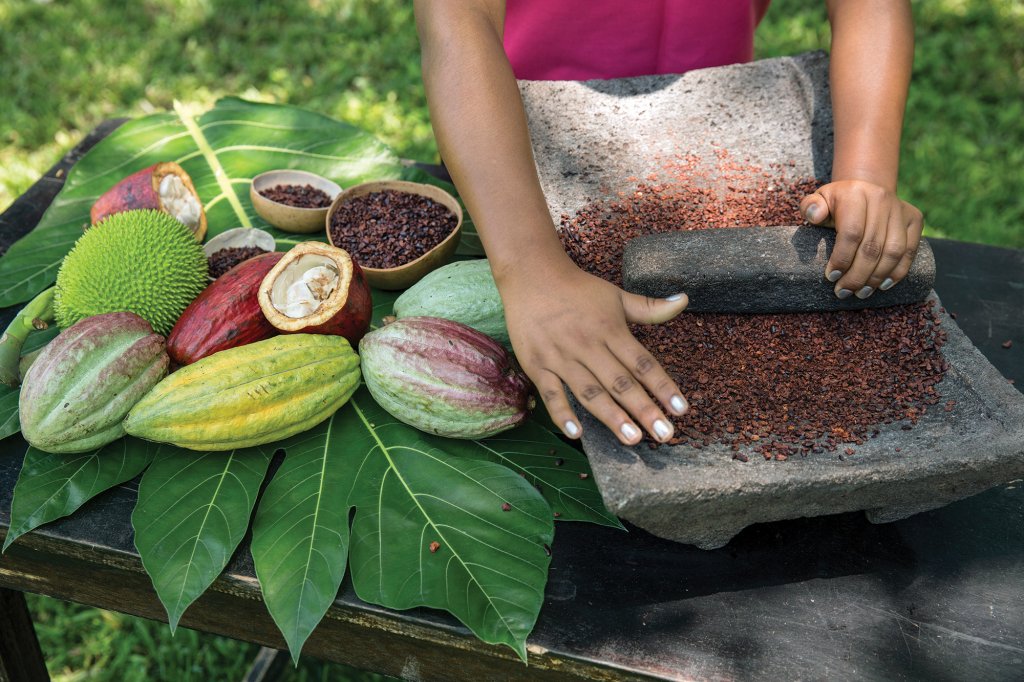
(592, 140)
(591, 137)
(756, 270)
(704, 497)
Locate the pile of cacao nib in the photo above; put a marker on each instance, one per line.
(389, 228)
(223, 260)
(298, 196)
(786, 385)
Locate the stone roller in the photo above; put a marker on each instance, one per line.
(756, 270)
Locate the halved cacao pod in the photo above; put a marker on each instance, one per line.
(164, 187)
(249, 395)
(79, 389)
(226, 315)
(445, 378)
(317, 289)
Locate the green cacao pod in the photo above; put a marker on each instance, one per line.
(79, 389)
(445, 378)
(463, 291)
(249, 395)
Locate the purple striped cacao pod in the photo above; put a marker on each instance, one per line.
(78, 391)
(444, 378)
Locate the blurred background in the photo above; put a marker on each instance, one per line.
(66, 65)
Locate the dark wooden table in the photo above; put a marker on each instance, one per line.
(938, 596)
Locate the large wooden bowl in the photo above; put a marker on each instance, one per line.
(407, 274)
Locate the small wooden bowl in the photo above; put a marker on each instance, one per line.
(283, 216)
(404, 276)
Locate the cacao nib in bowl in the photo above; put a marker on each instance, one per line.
(397, 231)
(292, 200)
(231, 247)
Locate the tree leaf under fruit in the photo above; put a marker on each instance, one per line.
(9, 422)
(561, 473)
(39, 338)
(433, 529)
(221, 150)
(50, 485)
(300, 532)
(192, 512)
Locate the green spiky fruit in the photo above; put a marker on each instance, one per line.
(144, 262)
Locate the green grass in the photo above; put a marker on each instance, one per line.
(66, 66)
(83, 643)
(963, 141)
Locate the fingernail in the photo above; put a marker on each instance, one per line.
(887, 284)
(844, 293)
(572, 429)
(834, 276)
(629, 432)
(865, 292)
(812, 212)
(678, 404)
(674, 297)
(662, 429)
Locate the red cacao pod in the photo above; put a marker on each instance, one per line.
(162, 187)
(317, 289)
(227, 314)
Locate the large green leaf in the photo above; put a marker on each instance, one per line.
(51, 486)
(561, 473)
(489, 568)
(192, 512)
(300, 533)
(222, 150)
(9, 423)
(431, 529)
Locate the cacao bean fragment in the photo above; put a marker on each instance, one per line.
(299, 196)
(763, 381)
(390, 228)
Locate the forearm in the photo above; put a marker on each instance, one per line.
(481, 130)
(871, 61)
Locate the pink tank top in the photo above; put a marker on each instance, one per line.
(584, 39)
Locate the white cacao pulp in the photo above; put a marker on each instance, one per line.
(179, 201)
(307, 284)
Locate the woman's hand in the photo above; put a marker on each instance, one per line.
(569, 326)
(877, 235)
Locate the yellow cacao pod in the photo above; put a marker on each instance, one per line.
(249, 395)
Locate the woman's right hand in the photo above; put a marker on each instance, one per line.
(570, 327)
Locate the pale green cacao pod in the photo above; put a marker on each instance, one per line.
(249, 395)
(463, 291)
(79, 389)
(444, 378)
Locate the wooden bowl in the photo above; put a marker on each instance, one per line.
(404, 276)
(283, 216)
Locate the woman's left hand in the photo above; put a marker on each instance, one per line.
(877, 235)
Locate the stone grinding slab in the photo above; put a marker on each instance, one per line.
(594, 139)
(756, 270)
(704, 497)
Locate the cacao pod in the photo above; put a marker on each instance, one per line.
(317, 289)
(463, 291)
(445, 378)
(79, 389)
(249, 395)
(227, 314)
(162, 187)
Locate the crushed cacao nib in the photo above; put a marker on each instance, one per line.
(298, 196)
(227, 258)
(780, 384)
(390, 228)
